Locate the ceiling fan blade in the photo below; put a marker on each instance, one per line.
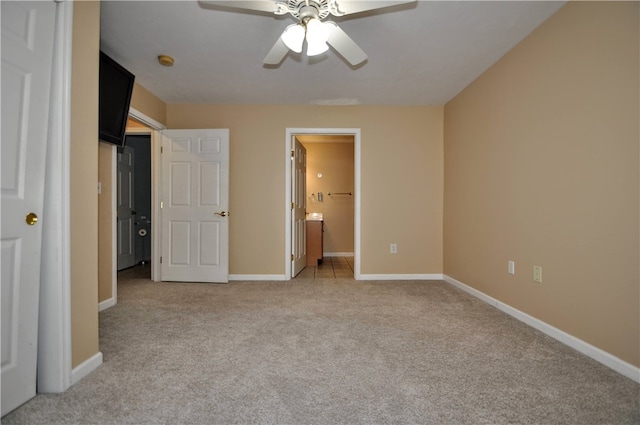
(344, 45)
(277, 53)
(269, 6)
(347, 7)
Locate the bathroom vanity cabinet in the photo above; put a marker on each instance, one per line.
(315, 229)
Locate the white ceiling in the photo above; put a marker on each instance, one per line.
(419, 54)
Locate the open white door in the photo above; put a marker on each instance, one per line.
(27, 51)
(126, 212)
(195, 206)
(299, 206)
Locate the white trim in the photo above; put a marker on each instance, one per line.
(114, 228)
(86, 367)
(54, 323)
(114, 232)
(145, 119)
(337, 254)
(630, 371)
(401, 276)
(253, 277)
(357, 141)
(106, 304)
(156, 219)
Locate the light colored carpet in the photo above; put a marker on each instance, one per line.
(328, 351)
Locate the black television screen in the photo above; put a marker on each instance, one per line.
(116, 86)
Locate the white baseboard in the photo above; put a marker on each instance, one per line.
(337, 254)
(86, 367)
(630, 371)
(106, 304)
(400, 277)
(270, 277)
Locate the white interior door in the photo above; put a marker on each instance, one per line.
(195, 206)
(27, 48)
(126, 212)
(299, 206)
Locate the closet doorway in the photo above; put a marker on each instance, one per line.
(134, 201)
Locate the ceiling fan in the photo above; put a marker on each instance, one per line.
(311, 27)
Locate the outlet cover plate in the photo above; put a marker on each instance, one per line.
(537, 274)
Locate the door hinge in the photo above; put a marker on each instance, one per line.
(161, 204)
(160, 260)
(293, 205)
(292, 257)
(293, 153)
(161, 149)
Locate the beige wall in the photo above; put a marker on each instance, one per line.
(333, 157)
(149, 104)
(84, 178)
(402, 180)
(131, 123)
(541, 167)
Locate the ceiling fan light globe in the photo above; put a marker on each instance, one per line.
(293, 37)
(316, 48)
(317, 32)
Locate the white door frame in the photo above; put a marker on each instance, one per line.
(290, 132)
(113, 160)
(54, 321)
(154, 128)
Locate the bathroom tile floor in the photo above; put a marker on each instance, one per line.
(329, 268)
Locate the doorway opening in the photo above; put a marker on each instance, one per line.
(335, 194)
(329, 191)
(134, 201)
(139, 124)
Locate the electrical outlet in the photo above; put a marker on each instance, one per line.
(511, 267)
(393, 248)
(537, 274)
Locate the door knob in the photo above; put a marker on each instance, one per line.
(31, 219)
(222, 214)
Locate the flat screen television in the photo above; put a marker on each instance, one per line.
(116, 87)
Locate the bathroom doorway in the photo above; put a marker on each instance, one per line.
(333, 189)
(329, 189)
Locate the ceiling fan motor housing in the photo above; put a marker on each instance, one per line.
(307, 9)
